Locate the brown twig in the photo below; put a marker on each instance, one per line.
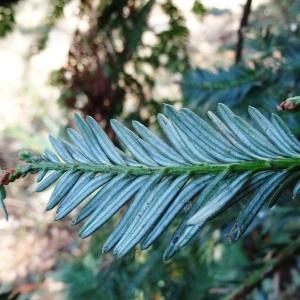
(290, 104)
(5, 174)
(240, 33)
(266, 271)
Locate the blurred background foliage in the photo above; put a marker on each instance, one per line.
(111, 58)
(267, 73)
(119, 52)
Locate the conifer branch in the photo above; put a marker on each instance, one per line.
(198, 169)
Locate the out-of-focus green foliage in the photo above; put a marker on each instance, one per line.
(198, 8)
(203, 89)
(268, 73)
(7, 17)
(143, 276)
(118, 55)
(262, 82)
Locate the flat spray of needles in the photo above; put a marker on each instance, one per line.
(194, 172)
